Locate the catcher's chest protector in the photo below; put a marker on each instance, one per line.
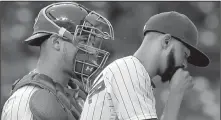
(52, 101)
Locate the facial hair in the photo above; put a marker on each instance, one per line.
(171, 68)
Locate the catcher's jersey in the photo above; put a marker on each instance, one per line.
(17, 106)
(122, 91)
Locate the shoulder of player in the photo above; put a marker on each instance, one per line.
(19, 99)
(25, 92)
(118, 63)
(126, 63)
(44, 105)
(123, 59)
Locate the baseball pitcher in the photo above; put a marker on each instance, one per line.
(124, 89)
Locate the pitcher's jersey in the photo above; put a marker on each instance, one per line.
(122, 91)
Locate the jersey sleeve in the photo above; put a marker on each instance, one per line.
(17, 106)
(130, 91)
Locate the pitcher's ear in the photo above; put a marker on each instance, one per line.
(166, 40)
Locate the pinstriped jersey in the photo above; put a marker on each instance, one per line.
(122, 91)
(17, 106)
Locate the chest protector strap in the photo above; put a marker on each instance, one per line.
(64, 96)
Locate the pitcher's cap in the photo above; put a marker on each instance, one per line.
(180, 27)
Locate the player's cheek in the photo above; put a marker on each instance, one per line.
(163, 65)
(72, 52)
(179, 59)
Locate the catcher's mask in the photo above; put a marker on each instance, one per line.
(84, 28)
(90, 58)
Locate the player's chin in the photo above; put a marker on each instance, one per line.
(165, 79)
(68, 70)
(69, 73)
(166, 76)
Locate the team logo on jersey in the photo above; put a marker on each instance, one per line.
(89, 69)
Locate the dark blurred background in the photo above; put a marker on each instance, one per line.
(128, 19)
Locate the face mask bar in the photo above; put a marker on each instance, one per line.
(85, 68)
(96, 29)
(89, 59)
(96, 20)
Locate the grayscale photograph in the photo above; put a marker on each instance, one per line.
(110, 60)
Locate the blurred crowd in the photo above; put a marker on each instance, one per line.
(128, 19)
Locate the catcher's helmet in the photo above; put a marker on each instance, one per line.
(70, 20)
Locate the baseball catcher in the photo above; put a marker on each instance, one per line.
(124, 89)
(70, 38)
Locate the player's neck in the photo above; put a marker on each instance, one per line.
(52, 71)
(149, 63)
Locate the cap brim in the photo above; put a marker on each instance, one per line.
(37, 39)
(196, 57)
